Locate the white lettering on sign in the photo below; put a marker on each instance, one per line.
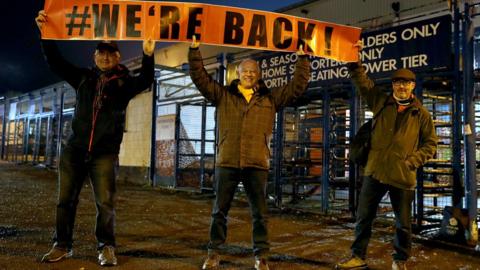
(380, 40)
(381, 66)
(382, 53)
(329, 74)
(415, 61)
(277, 82)
(371, 54)
(274, 72)
(282, 60)
(423, 31)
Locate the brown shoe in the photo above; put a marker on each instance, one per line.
(212, 261)
(261, 263)
(106, 256)
(56, 254)
(354, 263)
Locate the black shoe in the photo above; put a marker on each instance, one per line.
(57, 254)
(106, 256)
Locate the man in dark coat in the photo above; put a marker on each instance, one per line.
(245, 116)
(102, 96)
(403, 139)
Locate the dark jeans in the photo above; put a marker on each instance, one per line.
(75, 166)
(255, 184)
(370, 196)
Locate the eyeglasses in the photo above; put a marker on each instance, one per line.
(402, 82)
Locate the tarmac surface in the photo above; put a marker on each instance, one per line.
(158, 229)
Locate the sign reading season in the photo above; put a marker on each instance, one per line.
(420, 46)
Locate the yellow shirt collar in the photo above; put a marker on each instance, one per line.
(247, 93)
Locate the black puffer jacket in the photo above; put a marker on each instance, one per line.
(103, 133)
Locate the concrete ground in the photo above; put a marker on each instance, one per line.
(166, 230)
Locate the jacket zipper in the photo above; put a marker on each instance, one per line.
(97, 105)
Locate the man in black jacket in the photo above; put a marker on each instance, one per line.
(102, 95)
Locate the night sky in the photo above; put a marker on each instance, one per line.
(23, 67)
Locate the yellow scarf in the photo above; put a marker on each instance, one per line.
(247, 93)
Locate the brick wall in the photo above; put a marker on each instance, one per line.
(135, 148)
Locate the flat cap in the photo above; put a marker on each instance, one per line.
(403, 73)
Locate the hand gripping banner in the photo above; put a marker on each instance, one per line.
(211, 24)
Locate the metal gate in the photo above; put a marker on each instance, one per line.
(195, 134)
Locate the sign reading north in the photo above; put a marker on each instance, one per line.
(211, 24)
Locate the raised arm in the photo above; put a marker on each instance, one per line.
(57, 63)
(210, 89)
(373, 95)
(364, 85)
(147, 72)
(297, 86)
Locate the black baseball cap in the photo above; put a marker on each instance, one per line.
(403, 73)
(108, 45)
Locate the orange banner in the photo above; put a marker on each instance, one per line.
(211, 24)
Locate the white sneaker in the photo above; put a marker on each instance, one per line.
(399, 265)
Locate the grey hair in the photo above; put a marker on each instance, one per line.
(248, 60)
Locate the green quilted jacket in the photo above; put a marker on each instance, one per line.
(397, 150)
(245, 129)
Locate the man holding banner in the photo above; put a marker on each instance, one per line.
(402, 140)
(245, 116)
(102, 95)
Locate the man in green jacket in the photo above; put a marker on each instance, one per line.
(403, 139)
(245, 116)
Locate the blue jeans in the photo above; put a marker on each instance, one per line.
(75, 166)
(255, 184)
(370, 196)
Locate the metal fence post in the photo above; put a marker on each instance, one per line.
(326, 151)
